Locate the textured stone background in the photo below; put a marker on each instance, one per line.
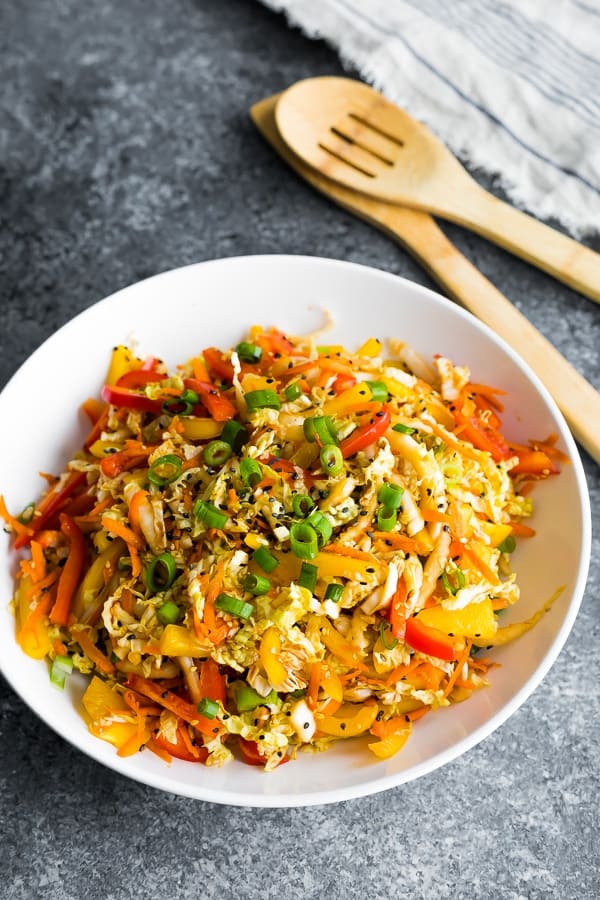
(125, 150)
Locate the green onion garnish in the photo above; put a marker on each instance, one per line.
(302, 504)
(256, 584)
(208, 708)
(332, 460)
(182, 405)
(383, 630)
(248, 353)
(246, 698)
(293, 391)
(390, 495)
(216, 453)
(379, 391)
(403, 429)
(234, 605)
(161, 573)
(308, 576)
(262, 400)
(250, 472)
(234, 434)
(165, 470)
(26, 515)
(334, 592)
(508, 545)
(322, 526)
(304, 540)
(453, 580)
(321, 429)
(168, 613)
(209, 514)
(386, 518)
(263, 558)
(61, 667)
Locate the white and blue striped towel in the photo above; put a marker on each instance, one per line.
(511, 86)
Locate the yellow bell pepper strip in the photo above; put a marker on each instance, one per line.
(182, 708)
(122, 360)
(376, 427)
(390, 745)
(496, 533)
(341, 648)
(350, 721)
(428, 640)
(511, 632)
(71, 572)
(90, 595)
(355, 399)
(270, 647)
(104, 706)
(199, 429)
(371, 347)
(177, 640)
(473, 620)
(32, 622)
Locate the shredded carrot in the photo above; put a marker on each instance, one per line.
(401, 671)
(102, 662)
(393, 541)
(159, 751)
(458, 668)
(479, 564)
(185, 737)
(316, 674)
(343, 550)
(418, 713)
(12, 521)
(522, 530)
(38, 560)
(450, 440)
(434, 515)
(120, 530)
(59, 647)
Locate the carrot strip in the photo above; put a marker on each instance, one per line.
(522, 530)
(18, 527)
(479, 564)
(434, 515)
(316, 674)
(391, 540)
(159, 751)
(120, 530)
(182, 708)
(38, 568)
(343, 550)
(100, 660)
(458, 668)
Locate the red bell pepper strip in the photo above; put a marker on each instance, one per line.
(179, 749)
(482, 436)
(71, 571)
(218, 405)
(428, 640)
(274, 341)
(397, 611)
(118, 396)
(364, 435)
(133, 455)
(533, 462)
(343, 383)
(182, 708)
(219, 366)
(212, 683)
(51, 504)
(251, 753)
(137, 378)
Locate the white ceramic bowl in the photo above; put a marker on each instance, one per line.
(175, 314)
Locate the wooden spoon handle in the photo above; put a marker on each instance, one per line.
(576, 397)
(555, 253)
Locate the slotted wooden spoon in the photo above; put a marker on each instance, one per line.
(353, 135)
(420, 235)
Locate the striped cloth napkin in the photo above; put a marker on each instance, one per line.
(511, 86)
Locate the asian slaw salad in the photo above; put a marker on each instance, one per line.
(277, 547)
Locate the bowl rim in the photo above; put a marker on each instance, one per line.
(383, 782)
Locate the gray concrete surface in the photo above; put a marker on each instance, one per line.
(126, 149)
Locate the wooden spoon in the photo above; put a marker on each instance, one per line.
(419, 234)
(353, 135)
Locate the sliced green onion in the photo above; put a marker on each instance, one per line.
(256, 584)
(334, 592)
(332, 460)
(386, 518)
(453, 580)
(383, 630)
(379, 391)
(250, 472)
(322, 526)
(248, 353)
(216, 453)
(265, 559)
(262, 400)
(161, 573)
(165, 470)
(508, 545)
(168, 613)
(234, 434)
(321, 429)
(403, 429)
(123, 563)
(302, 504)
(234, 605)
(190, 396)
(293, 391)
(26, 515)
(308, 576)
(390, 495)
(61, 667)
(304, 540)
(209, 514)
(246, 698)
(208, 708)
(182, 405)
(297, 694)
